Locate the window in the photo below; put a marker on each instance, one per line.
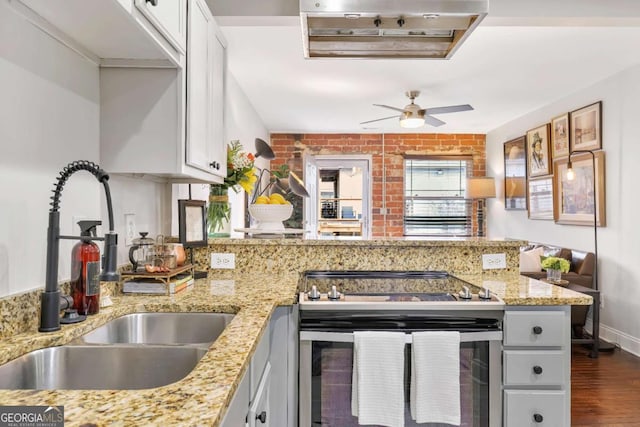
(434, 203)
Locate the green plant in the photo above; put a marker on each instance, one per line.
(555, 263)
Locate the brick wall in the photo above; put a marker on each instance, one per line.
(291, 148)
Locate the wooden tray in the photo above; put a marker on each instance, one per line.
(163, 277)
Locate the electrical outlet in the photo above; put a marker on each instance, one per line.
(492, 261)
(223, 261)
(130, 231)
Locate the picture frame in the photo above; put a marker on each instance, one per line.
(586, 127)
(539, 159)
(540, 196)
(560, 136)
(192, 224)
(515, 174)
(573, 200)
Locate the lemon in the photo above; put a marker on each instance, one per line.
(262, 200)
(277, 199)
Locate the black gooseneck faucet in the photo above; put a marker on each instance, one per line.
(51, 300)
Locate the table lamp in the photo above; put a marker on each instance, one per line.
(481, 188)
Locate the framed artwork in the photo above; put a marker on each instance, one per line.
(192, 226)
(574, 201)
(538, 151)
(586, 127)
(515, 174)
(560, 136)
(540, 192)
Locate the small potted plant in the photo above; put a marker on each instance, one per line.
(555, 266)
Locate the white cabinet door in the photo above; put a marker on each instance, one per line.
(218, 144)
(205, 92)
(168, 17)
(259, 415)
(237, 411)
(199, 84)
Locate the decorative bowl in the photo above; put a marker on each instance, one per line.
(270, 217)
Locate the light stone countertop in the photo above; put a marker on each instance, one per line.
(203, 396)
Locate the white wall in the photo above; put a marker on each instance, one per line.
(618, 242)
(241, 122)
(49, 116)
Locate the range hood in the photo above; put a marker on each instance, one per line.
(391, 29)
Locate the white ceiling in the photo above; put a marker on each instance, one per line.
(515, 62)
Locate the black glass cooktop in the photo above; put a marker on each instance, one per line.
(388, 285)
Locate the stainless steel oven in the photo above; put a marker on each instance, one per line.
(335, 304)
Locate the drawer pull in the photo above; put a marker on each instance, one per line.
(262, 417)
(537, 370)
(537, 418)
(537, 330)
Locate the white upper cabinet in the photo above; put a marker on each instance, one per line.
(114, 32)
(168, 17)
(169, 123)
(205, 91)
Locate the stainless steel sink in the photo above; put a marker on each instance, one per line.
(100, 367)
(160, 328)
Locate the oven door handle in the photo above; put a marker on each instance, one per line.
(348, 336)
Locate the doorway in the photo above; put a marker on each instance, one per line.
(340, 202)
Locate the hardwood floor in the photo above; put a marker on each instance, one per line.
(605, 391)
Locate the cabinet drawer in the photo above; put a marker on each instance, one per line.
(259, 361)
(535, 367)
(535, 408)
(535, 328)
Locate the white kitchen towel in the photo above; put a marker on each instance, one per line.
(435, 377)
(377, 383)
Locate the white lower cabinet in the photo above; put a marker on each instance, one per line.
(537, 367)
(267, 394)
(259, 413)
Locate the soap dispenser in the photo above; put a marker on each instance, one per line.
(85, 270)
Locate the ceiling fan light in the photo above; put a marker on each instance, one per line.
(408, 120)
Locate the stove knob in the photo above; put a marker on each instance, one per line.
(485, 294)
(313, 293)
(465, 293)
(333, 294)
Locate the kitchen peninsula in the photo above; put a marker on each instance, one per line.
(266, 276)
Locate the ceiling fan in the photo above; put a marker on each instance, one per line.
(412, 116)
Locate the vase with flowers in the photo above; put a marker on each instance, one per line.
(241, 174)
(555, 266)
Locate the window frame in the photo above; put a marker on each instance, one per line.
(459, 225)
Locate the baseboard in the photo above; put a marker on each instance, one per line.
(623, 340)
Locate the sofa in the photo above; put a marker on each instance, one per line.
(580, 273)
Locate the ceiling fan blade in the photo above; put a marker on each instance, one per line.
(390, 107)
(377, 120)
(449, 109)
(430, 120)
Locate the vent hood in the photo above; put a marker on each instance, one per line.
(391, 29)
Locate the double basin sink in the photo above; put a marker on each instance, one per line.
(135, 351)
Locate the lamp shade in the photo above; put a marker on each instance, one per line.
(481, 187)
(264, 150)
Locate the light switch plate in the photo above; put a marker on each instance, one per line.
(492, 261)
(223, 260)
